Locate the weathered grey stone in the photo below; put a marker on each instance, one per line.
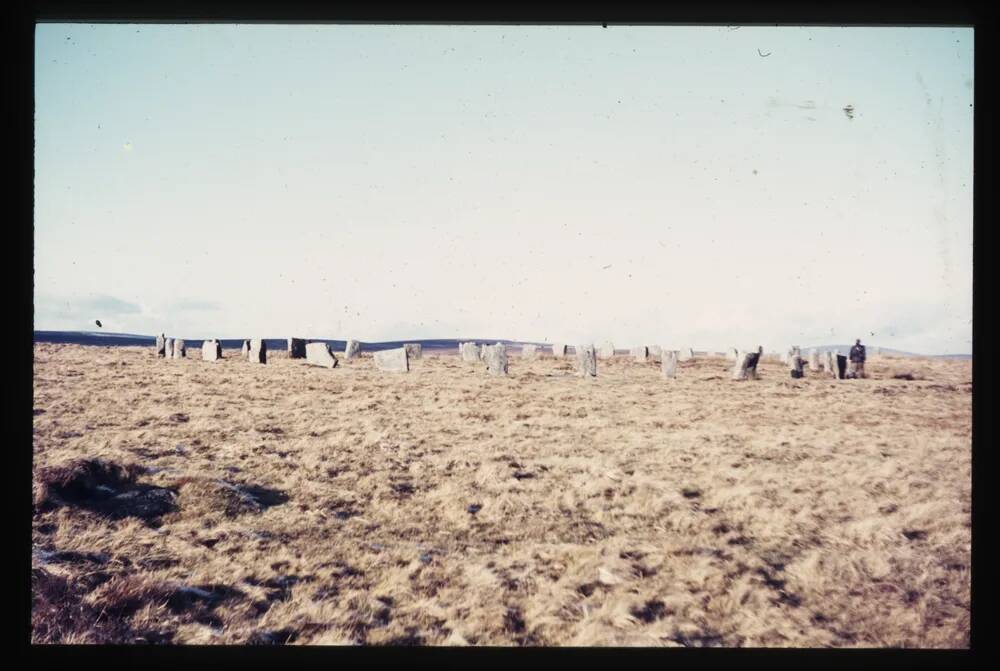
(470, 352)
(320, 354)
(655, 350)
(685, 354)
(586, 360)
(414, 351)
(393, 360)
(258, 351)
(495, 357)
(528, 351)
(180, 351)
(352, 349)
(606, 350)
(640, 353)
(211, 350)
(745, 367)
(559, 350)
(795, 366)
(813, 360)
(168, 348)
(161, 346)
(296, 348)
(668, 363)
(245, 350)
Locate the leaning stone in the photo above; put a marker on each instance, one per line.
(180, 351)
(161, 346)
(211, 350)
(414, 351)
(606, 350)
(495, 357)
(528, 351)
(320, 354)
(258, 351)
(586, 360)
(352, 349)
(393, 360)
(559, 350)
(296, 348)
(668, 363)
(640, 353)
(470, 352)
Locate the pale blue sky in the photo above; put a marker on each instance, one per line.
(389, 182)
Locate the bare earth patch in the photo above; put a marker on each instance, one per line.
(195, 502)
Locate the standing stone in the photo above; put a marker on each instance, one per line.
(168, 348)
(813, 360)
(393, 360)
(640, 353)
(258, 351)
(320, 354)
(829, 364)
(528, 351)
(841, 366)
(559, 350)
(795, 367)
(211, 350)
(685, 354)
(161, 346)
(296, 348)
(413, 351)
(654, 350)
(180, 351)
(668, 363)
(352, 349)
(606, 350)
(471, 352)
(586, 359)
(495, 357)
(746, 365)
(245, 350)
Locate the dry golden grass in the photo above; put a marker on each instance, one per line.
(319, 506)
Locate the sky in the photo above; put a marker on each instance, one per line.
(695, 186)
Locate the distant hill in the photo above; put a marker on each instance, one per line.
(885, 351)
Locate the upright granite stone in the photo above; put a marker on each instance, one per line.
(245, 350)
(668, 363)
(559, 350)
(413, 351)
(841, 366)
(829, 364)
(161, 346)
(654, 350)
(352, 349)
(168, 348)
(640, 353)
(813, 360)
(393, 360)
(606, 350)
(528, 351)
(745, 367)
(320, 354)
(495, 357)
(296, 348)
(586, 360)
(258, 351)
(471, 352)
(180, 351)
(211, 350)
(795, 367)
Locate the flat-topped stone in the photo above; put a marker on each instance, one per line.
(352, 349)
(586, 360)
(470, 351)
(668, 363)
(211, 350)
(393, 360)
(320, 354)
(495, 358)
(296, 348)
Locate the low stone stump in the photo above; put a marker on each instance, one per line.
(586, 360)
(296, 348)
(257, 352)
(393, 360)
(668, 363)
(640, 353)
(470, 352)
(161, 346)
(180, 351)
(352, 349)
(320, 354)
(413, 351)
(495, 358)
(559, 350)
(211, 350)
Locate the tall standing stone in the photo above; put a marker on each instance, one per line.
(211, 350)
(813, 360)
(258, 351)
(795, 366)
(352, 349)
(161, 346)
(413, 351)
(606, 350)
(559, 350)
(470, 352)
(586, 360)
(245, 350)
(296, 348)
(495, 357)
(168, 348)
(320, 354)
(393, 360)
(528, 351)
(640, 353)
(841, 366)
(668, 363)
(180, 351)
